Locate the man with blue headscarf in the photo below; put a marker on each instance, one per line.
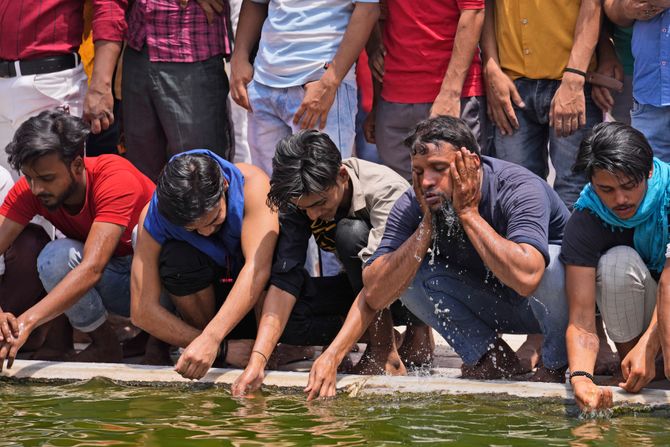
(614, 250)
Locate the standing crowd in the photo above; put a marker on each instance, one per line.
(247, 232)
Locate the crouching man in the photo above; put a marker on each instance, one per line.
(614, 254)
(492, 228)
(207, 238)
(344, 204)
(95, 203)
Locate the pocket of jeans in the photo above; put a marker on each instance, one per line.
(63, 87)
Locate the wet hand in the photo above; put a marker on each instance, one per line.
(249, 381)
(241, 74)
(589, 396)
(198, 357)
(500, 94)
(466, 185)
(322, 377)
(638, 369)
(568, 107)
(14, 335)
(99, 108)
(318, 99)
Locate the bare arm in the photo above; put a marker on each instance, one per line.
(145, 290)
(252, 16)
(9, 231)
(448, 101)
(99, 101)
(663, 309)
(581, 337)
(319, 95)
(260, 228)
(323, 374)
(568, 107)
(277, 309)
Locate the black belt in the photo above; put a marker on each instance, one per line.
(49, 64)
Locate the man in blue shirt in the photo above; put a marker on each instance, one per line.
(493, 230)
(651, 74)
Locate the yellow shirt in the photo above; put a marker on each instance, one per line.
(535, 36)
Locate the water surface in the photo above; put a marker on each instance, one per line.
(99, 413)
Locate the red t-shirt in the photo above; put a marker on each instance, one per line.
(419, 38)
(116, 192)
(32, 29)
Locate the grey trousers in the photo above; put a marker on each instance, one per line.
(394, 121)
(170, 108)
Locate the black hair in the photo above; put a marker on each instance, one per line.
(50, 132)
(616, 148)
(441, 129)
(307, 162)
(189, 186)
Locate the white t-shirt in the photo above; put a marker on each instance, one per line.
(299, 38)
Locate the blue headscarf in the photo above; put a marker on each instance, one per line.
(650, 221)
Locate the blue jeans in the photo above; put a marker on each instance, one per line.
(527, 146)
(654, 123)
(111, 293)
(469, 315)
(272, 113)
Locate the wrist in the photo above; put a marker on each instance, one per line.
(578, 376)
(573, 80)
(467, 214)
(330, 79)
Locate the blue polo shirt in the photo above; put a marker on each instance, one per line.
(651, 50)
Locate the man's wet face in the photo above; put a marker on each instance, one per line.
(51, 180)
(620, 194)
(431, 170)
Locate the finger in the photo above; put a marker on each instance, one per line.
(516, 97)
(322, 120)
(625, 370)
(14, 325)
(181, 365)
(582, 119)
(209, 12)
(618, 74)
(502, 122)
(510, 115)
(299, 114)
(309, 120)
(4, 350)
(598, 98)
(460, 164)
(574, 124)
(608, 398)
(454, 175)
(12, 355)
(217, 5)
(6, 331)
(608, 98)
(315, 388)
(104, 122)
(95, 126)
(328, 390)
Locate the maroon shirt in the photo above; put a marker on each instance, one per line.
(37, 28)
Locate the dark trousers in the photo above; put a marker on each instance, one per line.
(170, 108)
(20, 286)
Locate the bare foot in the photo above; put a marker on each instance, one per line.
(529, 352)
(544, 374)
(284, 354)
(499, 362)
(418, 346)
(378, 362)
(157, 352)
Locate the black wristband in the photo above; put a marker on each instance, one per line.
(575, 71)
(580, 374)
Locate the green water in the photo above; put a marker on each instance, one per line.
(100, 413)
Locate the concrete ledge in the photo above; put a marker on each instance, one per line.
(354, 385)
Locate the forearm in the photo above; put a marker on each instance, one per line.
(615, 12)
(488, 40)
(358, 319)
(166, 326)
(276, 313)
(465, 44)
(510, 262)
(582, 344)
(388, 276)
(245, 293)
(651, 338)
(252, 16)
(586, 34)
(605, 49)
(74, 285)
(106, 56)
(663, 314)
(355, 37)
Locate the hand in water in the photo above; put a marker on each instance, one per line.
(466, 184)
(322, 377)
(249, 381)
(589, 396)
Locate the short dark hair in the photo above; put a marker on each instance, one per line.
(441, 129)
(50, 132)
(305, 163)
(189, 186)
(616, 148)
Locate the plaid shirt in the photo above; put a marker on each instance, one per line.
(173, 34)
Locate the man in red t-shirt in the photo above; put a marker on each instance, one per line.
(95, 203)
(428, 61)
